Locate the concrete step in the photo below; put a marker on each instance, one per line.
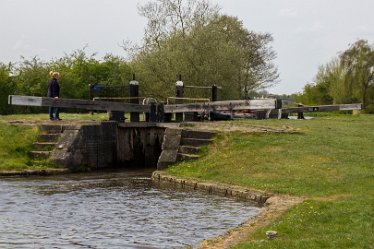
(40, 154)
(185, 149)
(51, 128)
(187, 157)
(196, 142)
(197, 134)
(52, 137)
(42, 145)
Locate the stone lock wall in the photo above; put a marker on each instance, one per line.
(103, 145)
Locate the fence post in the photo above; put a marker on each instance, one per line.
(134, 94)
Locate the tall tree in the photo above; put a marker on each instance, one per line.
(192, 38)
(346, 79)
(358, 62)
(6, 88)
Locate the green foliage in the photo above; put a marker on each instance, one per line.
(77, 70)
(316, 94)
(6, 88)
(206, 48)
(358, 61)
(347, 79)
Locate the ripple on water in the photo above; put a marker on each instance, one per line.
(111, 212)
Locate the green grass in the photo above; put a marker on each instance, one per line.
(15, 143)
(330, 163)
(16, 140)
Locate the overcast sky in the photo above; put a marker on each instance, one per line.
(307, 33)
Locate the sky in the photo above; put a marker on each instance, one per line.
(307, 33)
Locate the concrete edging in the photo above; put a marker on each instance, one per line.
(256, 196)
(43, 172)
(274, 207)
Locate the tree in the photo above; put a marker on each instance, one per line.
(358, 62)
(193, 39)
(167, 17)
(31, 77)
(6, 88)
(348, 78)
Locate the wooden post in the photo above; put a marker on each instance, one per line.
(134, 94)
(214, 92)
(179, 91)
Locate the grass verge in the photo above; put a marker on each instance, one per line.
(16, 141)
(15, 144)
(330, 163)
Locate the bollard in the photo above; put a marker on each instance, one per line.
(116, 116)
(300, 115)
(160, 112)
(179, 91)
(152, 113)
(134, 94)
(90, 93)
(279, 108)
(214, 92)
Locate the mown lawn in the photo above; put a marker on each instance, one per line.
(330, 163)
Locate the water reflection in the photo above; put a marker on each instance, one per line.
(121, 210)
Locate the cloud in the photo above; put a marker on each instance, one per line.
(21, 45)
(317, 26)
(314, 27)
(288, 12)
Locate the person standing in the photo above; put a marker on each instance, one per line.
(54, 92)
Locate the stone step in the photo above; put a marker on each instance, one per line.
(187, 157)
(195, 142)
(185, 149)
(42, 145)
(40, 154)
(52, 137)
(197, 134)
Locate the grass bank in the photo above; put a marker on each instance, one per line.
(330, 162)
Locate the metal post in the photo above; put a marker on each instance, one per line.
(134, 94)
(90, 93)
(179, 91)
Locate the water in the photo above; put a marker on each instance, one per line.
(117, 210)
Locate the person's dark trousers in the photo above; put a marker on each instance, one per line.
(54, 112)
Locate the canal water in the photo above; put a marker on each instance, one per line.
(111, 210)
